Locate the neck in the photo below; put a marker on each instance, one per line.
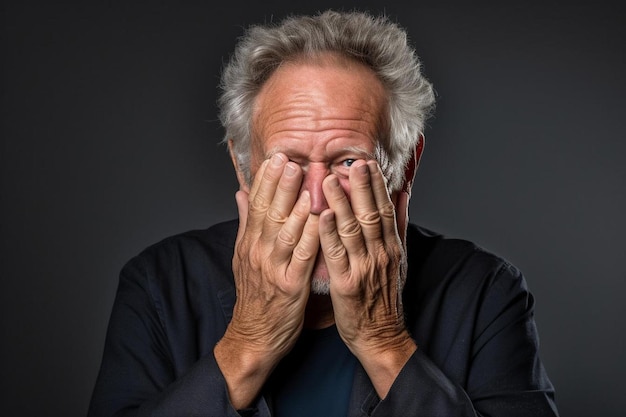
(319, 312)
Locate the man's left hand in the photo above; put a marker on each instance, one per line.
(366, 262)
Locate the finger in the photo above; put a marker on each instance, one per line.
(291, 232)
(335, 254)
(283, 201)
(256, 180)
(386, 209)
(263, 189)
(305, 252)
(241, 198)
(348, 227)
(402, 214)
(364, 202)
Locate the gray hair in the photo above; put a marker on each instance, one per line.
(374, 41)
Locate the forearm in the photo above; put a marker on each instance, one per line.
(421, 389)
(201, 391)
(147, 370)
(245, 372)
(385, 364)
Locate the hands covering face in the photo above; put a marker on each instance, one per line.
(277, 244)
(365, 259)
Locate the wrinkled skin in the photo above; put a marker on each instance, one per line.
(318, 211)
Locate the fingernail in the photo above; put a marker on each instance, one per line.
(277, 160)
(290, 170)
(363, 169)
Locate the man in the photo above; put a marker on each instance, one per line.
(322, 299)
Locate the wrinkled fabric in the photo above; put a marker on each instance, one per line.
(469, 311)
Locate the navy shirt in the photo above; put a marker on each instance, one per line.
(315, 378)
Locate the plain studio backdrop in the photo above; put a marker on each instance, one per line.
(109, 143)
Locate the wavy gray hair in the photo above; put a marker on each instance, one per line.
(374, 41)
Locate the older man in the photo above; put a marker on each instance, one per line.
(322, 299)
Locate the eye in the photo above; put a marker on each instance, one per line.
(348, 162)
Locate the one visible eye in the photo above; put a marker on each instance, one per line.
(348, 162)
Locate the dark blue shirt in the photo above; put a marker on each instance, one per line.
(315, 379)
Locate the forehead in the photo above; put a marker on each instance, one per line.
(328, 103)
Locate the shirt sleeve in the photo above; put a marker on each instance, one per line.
(504, 375)
(138, 375)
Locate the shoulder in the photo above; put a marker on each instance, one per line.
(176, 283)
(189, 256)
(216, 239)
(218, 236)
(429, 249)
(451, 277)
(458, 268)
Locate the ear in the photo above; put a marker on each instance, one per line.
(401, 198)
(241, 178)
(411, 167)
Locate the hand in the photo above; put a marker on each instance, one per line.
(275, 250)
(366, 261)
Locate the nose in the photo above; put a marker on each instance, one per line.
(313, 177)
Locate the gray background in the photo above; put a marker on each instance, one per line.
(109, 143)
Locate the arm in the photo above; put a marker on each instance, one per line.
(275, 251)
(147, 370)
(480, 347)
(142, 374)
(500, 375)
(485, 363)
(367, 266)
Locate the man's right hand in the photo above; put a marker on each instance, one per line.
(275, 250)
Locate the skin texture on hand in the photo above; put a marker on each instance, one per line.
(275, 251)
(366, 262)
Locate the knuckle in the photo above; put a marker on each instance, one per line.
(350, 229)
(259, 204)
(370, 218)
(335, 252)
(302, 254)
(387, 211)
(286, 238)
(275, 215)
